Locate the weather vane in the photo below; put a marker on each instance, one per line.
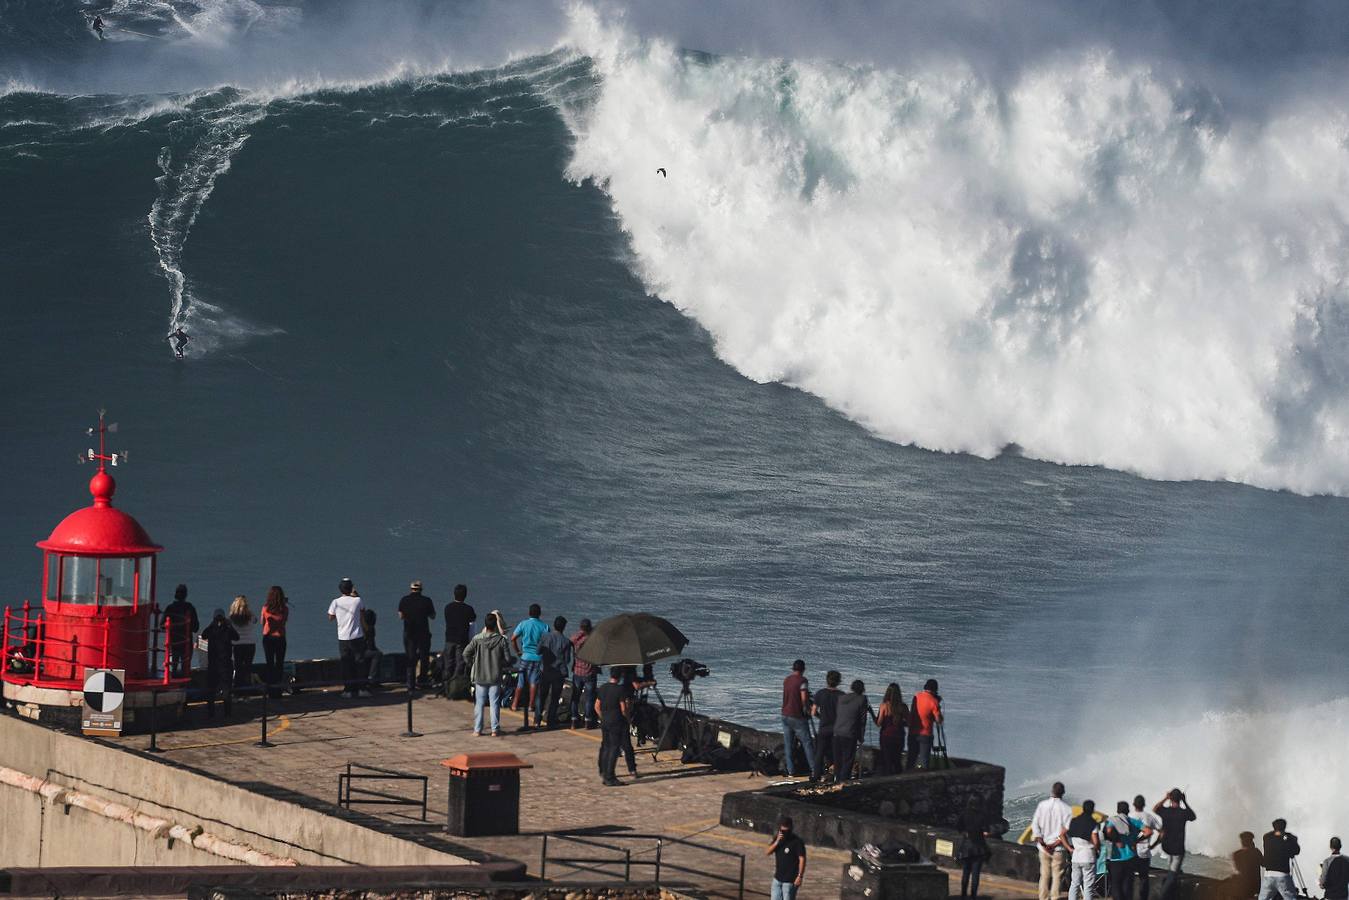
(103, 430)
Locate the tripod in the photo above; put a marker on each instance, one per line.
(683, 706)
(939, 758)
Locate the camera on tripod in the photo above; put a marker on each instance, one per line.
(685, 670)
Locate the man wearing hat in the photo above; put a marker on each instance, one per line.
(416, 610)
(583, 680)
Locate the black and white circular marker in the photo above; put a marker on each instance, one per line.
(103, 692)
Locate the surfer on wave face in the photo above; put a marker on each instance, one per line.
(180, 339)
(98, 26)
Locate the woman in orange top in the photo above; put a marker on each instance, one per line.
(275, 612)
(890, 721)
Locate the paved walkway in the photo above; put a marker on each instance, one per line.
(317, 734)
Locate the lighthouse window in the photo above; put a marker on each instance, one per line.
(79, 576)
(117, 582)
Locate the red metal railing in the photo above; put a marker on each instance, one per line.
(26, 652)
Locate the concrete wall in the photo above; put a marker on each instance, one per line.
(35, 833)
(934, 797)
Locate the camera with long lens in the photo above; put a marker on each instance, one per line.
(685, 670)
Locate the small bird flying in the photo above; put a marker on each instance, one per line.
(661, 172)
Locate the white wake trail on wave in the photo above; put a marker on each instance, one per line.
(207, 143)
(1096, 262)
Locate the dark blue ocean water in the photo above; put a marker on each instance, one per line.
(423, 353)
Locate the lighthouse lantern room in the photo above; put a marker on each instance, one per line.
(98, 607)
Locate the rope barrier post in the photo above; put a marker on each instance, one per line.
(410, 733)
(264, 742)
(154, 723)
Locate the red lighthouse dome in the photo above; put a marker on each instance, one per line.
(101, 529)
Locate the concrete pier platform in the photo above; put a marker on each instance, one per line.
(315, 735)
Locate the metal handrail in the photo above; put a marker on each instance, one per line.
(25, 643)
(584, 863)
(344, 788)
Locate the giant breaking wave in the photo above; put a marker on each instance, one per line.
(1097, 263)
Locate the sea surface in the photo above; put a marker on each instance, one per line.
(1026, 373)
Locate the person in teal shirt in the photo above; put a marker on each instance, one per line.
(525, 640)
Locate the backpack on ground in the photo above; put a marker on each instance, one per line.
(458, 687)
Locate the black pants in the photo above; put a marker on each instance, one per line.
(243, 663)
(219, 677)
(1142, 876)
(824, 750)
(549, 697)
(180, 658)
(451, 661)
(892, 752)
(611, 744)
(417, 649)
(969, 876)
(1121, 879)
(845, 753)
(274, 652)
(349, 653)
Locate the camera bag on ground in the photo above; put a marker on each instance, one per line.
(459, 687)
(766, 763)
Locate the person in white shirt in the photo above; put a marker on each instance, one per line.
(1147, 839)
(1051, 819)
(345, 610)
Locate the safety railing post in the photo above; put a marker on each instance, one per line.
(4, 647)
(107, 629)
(168, 629)
(264, 742)
(742, 877)
(543, 859)
(659, 843)
(627, 865)
(154, 723)
(410, 733)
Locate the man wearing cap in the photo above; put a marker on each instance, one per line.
(346, 610)
(416, 610)
(584, 678)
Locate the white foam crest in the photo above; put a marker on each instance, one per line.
(189, 174)
(1098, 263)
(1241, 769)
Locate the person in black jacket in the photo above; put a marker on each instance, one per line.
(1279, 850)
(826, 708)
(220, 636)
(849, 727)
(180, 620)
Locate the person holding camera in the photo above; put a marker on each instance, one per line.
(923, 717)
(789, 864)
(1280, 848)
(1175, 812)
